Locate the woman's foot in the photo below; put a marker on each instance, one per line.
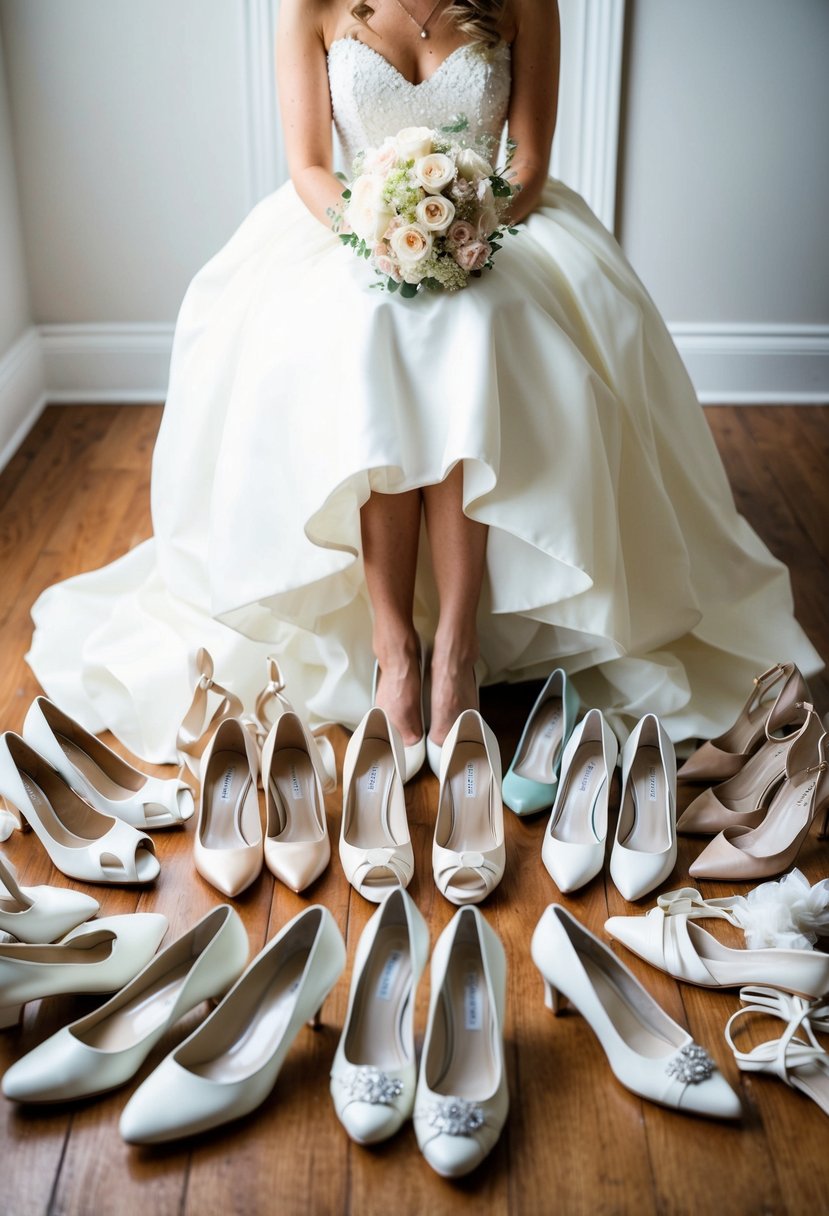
(398, 689)
(454, 687)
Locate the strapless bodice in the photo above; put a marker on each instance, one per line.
(370, 99)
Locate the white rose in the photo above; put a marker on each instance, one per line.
(367, 213)
(410, 244)
(435, 213)
(434, 172)
(472, 166)
(488, 215)
(413, 142)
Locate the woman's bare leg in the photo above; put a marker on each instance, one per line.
(390, 526)
(458, 547)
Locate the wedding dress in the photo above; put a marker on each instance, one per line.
(297, 388)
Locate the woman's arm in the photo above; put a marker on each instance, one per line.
(536, 51)
(305, 105)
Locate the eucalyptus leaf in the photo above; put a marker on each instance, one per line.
(407, 290)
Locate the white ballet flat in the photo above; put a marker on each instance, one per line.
(644, 851)
(375, 845)
(374, 1074)
(647, 1051)
(81, 842)
(574, 843)
(99, 775)
(669, 938)
(229, 1064)
(103, 1050)
(531, 779)
(414, 754)
(40, 914)
(99, 957)
(797, 1057)
(462, 1096)
(468, 851)
(297, 846)
(228, 848)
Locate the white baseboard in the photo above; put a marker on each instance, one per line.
(756, 364)
(126, 363)
(22, 392)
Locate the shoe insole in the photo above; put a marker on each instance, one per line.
(142, 1015)
(369, 822)
(630, 1023)
(292, 786)
(94, 949)
(230, 814)
(747, 729)
(746, 790)
(582, 816)
(468, 1068)
(262, 1031)
(383, 1000)
(646, 798)
(470, 781)
(785, 819)
(94, 774)
(539, 754)
(83, 823)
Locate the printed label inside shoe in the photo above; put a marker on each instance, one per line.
(296, 788)
(806, 796)
(469, 779)
(652, 783)
(586, 775)
(371, 778)
(473, 1002)
(388, 975)
(552, 726)
(226, 783)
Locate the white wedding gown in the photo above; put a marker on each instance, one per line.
(297, 388)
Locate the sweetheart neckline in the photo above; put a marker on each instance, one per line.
(412, 84)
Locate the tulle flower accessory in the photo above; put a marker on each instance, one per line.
(427, 211)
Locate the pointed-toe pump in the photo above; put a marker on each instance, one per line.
(374, 1073)
(40, 914)
(297, 845)
(644, 850)
(101, 776)
(768, 708)
(743, 800)
(462, 1096)
(81, 842)
(744, 853)
(103, 1050)
(530, 782)
(99, 957)
(574, 843)
(228, 849)
(375, 845)
(414, 754)
(469, 851)
(647, 1051)
(230, 1063)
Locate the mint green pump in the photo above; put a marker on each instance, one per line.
(530, 783)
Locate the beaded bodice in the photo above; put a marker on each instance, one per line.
(370, 99)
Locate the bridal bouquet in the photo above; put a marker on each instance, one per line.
(426, 211)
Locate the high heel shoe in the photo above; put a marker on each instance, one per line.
(228, 849)
(644, 850)
(297, 847)
(718, 759)
(99, 957)
(434, 751)
(647, 1051)
(40, 914)
(414, 754)
(374, 1073)
(468, 850)
(103, 1050)
(230, 1063)
(81, 842)
(462, 1097)
(198, 724)
(746, 853)
(574, 843)
(669, 938)
(375, 845)
(802, 1062)
(743, 800)
(99, 774)
(531, 779)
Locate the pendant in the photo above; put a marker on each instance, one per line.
(423, 34)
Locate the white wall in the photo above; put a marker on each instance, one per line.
(725, 165)
(15, 315)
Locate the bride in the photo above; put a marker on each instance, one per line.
(518, 472)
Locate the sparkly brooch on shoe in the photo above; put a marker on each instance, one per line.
(371, 1085)
(455, 1116)
(691, 1064)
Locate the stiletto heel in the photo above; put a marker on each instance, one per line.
(315, 1022)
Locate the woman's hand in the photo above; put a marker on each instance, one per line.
(533, 106)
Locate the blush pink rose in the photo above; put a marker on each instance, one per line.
(386, 266)
(473, 256)
(381, 159)
(461, 233)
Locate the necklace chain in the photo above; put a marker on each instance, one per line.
(420, 25)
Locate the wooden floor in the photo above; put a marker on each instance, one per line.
(75, 496)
